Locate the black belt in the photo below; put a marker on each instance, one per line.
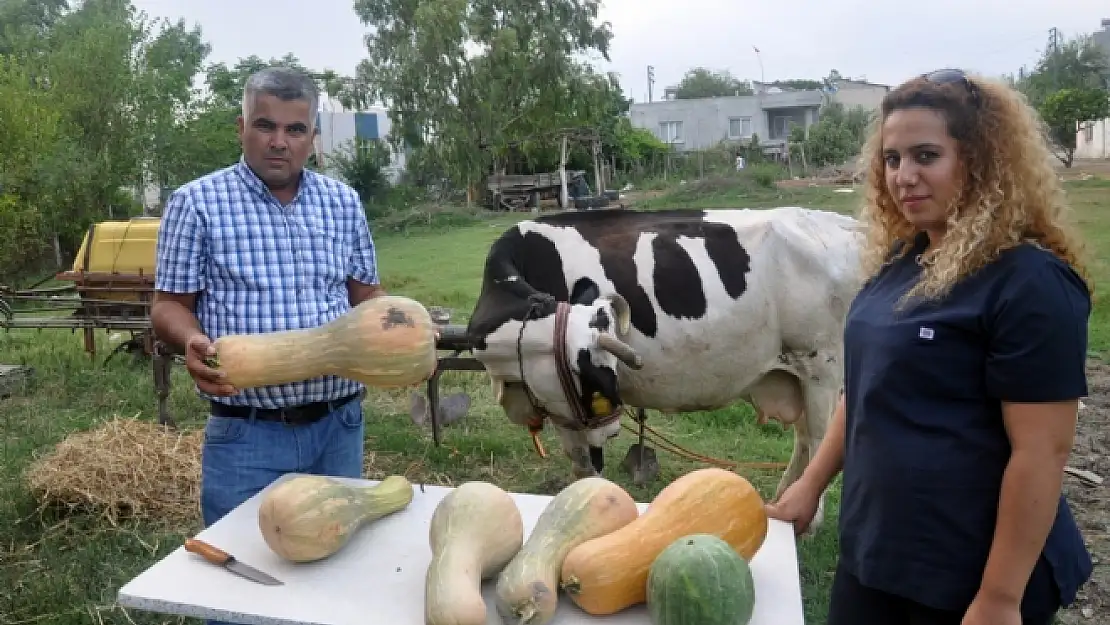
(293, 415)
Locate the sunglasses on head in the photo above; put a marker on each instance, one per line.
(948, 76)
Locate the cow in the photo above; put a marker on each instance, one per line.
(583, 313)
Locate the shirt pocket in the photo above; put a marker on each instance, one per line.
(946, 359)
(251, 263)
(327, 252)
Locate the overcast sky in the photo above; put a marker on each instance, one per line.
(885, 41)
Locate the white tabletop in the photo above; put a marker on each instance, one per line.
(378, 577)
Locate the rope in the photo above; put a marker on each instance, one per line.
(665, 444)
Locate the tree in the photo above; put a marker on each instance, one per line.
(108, 80)
(465, 79)
(836, 137)
(800, 83)
(704, 83)
(1076, 64)
(361, 163)
(1068, 87)
(27, 123)
(1066, 110)
(165, 69)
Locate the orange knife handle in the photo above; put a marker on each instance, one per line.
(214, 555)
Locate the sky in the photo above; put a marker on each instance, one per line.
(883, 41)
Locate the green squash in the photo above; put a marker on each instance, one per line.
(700, 580)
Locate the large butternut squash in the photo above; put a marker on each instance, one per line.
(609, 573)
(384, 342)
(310, 517)
(527, 589)
(476, 529)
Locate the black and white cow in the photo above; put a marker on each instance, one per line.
(674, 311)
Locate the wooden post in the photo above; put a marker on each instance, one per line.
(564, 200)
(597, 168)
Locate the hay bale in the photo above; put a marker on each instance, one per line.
(123, 468)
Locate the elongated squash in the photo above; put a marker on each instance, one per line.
(476, 529)
(310, 517)
(527, 589)
(384, 342)
(609, 573)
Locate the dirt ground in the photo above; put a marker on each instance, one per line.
(1091, 504)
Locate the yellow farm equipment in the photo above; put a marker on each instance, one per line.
(110, 287)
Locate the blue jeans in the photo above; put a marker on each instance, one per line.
(241, 457)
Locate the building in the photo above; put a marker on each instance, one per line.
(339, 128)
(1092, 141)
(702, 123)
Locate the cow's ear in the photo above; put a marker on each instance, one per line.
(585, 292)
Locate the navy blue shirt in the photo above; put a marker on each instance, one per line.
(926, 446)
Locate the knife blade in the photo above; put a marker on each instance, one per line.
(219, 557)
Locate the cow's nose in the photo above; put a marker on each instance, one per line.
(597, 458)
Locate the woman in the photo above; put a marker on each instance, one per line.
(964, 363)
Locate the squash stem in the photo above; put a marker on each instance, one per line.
(527, 613)
(571, 585)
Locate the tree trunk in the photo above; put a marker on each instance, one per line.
(58, 260)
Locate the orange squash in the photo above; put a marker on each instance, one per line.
(384, 342)
(609, 573)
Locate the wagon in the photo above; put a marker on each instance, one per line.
(110, 287)
(518, 191)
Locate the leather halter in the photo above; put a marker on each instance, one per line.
(582, 420)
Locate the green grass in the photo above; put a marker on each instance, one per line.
(58, 569)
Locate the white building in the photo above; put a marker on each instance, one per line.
(1092, 141)
(338, 127)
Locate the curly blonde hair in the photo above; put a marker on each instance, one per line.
(1011, 193)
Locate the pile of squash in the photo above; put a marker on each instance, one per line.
(686, 556)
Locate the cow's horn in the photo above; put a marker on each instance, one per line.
(621, 350)
(624, 313)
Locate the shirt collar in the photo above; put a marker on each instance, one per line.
(259, 188)
(920, 242)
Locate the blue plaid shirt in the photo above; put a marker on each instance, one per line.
(258, 266)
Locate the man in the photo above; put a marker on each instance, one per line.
(264, 246)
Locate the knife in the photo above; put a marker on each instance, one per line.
(219, 557)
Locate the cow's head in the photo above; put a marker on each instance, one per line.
(521, 359)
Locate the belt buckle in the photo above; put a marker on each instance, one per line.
(288, 416)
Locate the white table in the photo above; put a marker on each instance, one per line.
(378, 577)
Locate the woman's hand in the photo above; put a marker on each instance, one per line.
(989, 610)
(798, 505)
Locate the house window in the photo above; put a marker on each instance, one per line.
(366, 126)
(1089, 132)
(739, 127)
(670, 132)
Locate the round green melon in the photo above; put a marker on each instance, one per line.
(700, 580)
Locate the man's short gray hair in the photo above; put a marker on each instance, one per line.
(284, 83)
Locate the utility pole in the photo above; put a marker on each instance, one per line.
(1054, 50)
(650, 80)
